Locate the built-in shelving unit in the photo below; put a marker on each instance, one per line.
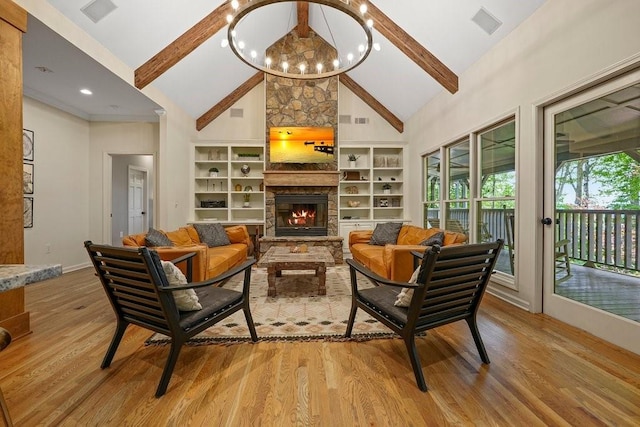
(371, 188)
(235, 192)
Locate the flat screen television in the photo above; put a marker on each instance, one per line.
(291, 144)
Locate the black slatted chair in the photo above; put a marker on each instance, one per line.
(139, 293)
(449, 288)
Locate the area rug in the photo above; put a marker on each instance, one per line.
(296, 313)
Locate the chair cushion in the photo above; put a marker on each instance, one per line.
(384, 297)
(212, 234)
(157, 238)
(186, 300)
(213, 299)
(386, 233)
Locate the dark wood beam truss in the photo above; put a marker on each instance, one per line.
(229, 100)
(303, 19)
(410, 47)
(182, 46)
(372, 102)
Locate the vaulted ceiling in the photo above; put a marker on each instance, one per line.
(410, 33)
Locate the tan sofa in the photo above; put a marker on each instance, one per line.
(209, 261)
(395, 262)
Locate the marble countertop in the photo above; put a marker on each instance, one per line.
(14, 276)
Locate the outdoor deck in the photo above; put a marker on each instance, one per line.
(612, 292)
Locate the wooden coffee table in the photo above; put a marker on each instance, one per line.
(279, 258)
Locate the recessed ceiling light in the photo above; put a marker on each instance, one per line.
(86, 92)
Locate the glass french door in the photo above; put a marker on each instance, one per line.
(591, 219)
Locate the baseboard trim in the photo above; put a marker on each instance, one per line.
(508, 297)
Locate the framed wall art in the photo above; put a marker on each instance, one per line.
(27, 144)
(28, 212)
(27, 178)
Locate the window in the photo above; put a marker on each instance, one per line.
(497, 189)
(476, 194)
(431, 189)
(456, 204)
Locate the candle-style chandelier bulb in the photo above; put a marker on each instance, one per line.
(278, 67)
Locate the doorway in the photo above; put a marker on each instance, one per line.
(129, 193)
(592, 211)
(137, 200)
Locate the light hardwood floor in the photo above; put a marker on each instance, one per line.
(543, 372)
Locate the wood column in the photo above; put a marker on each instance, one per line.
(13, 23)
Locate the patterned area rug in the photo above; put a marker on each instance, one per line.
(297, 313)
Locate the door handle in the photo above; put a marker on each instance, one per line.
(546, 221)
(142, 212)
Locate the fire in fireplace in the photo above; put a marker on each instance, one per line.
(301, 214)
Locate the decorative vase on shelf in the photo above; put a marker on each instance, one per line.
(386, 191)
(352, 164)
(245, 169)
(214, 154)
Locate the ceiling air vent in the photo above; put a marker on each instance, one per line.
(486, 21)
(361, 120)
(98, 9)
(344, 119)
(237, 112)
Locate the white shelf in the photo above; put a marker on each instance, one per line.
(228, 158)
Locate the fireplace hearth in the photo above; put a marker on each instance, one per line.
(301, 214)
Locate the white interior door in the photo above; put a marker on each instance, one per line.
(137, 201)
(589, 138)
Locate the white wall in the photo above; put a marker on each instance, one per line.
(377, 130)
(251, 126)
(61, 187)
(113, 138)
(563, 43)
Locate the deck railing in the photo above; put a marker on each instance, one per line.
(606, 237)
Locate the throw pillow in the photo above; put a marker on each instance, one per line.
(436, 239)
(404, 297)
(157, 238)
(386, 233)
(187, 299)
(212, 234)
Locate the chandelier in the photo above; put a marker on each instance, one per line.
(294, 62)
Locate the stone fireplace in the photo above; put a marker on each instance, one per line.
(313, 103)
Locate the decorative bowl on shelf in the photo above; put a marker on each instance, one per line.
(353, 203)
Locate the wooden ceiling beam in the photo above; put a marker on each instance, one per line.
(372, 102)
(303, 19)
(229, 100)
(410, 47)
(182, 46)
